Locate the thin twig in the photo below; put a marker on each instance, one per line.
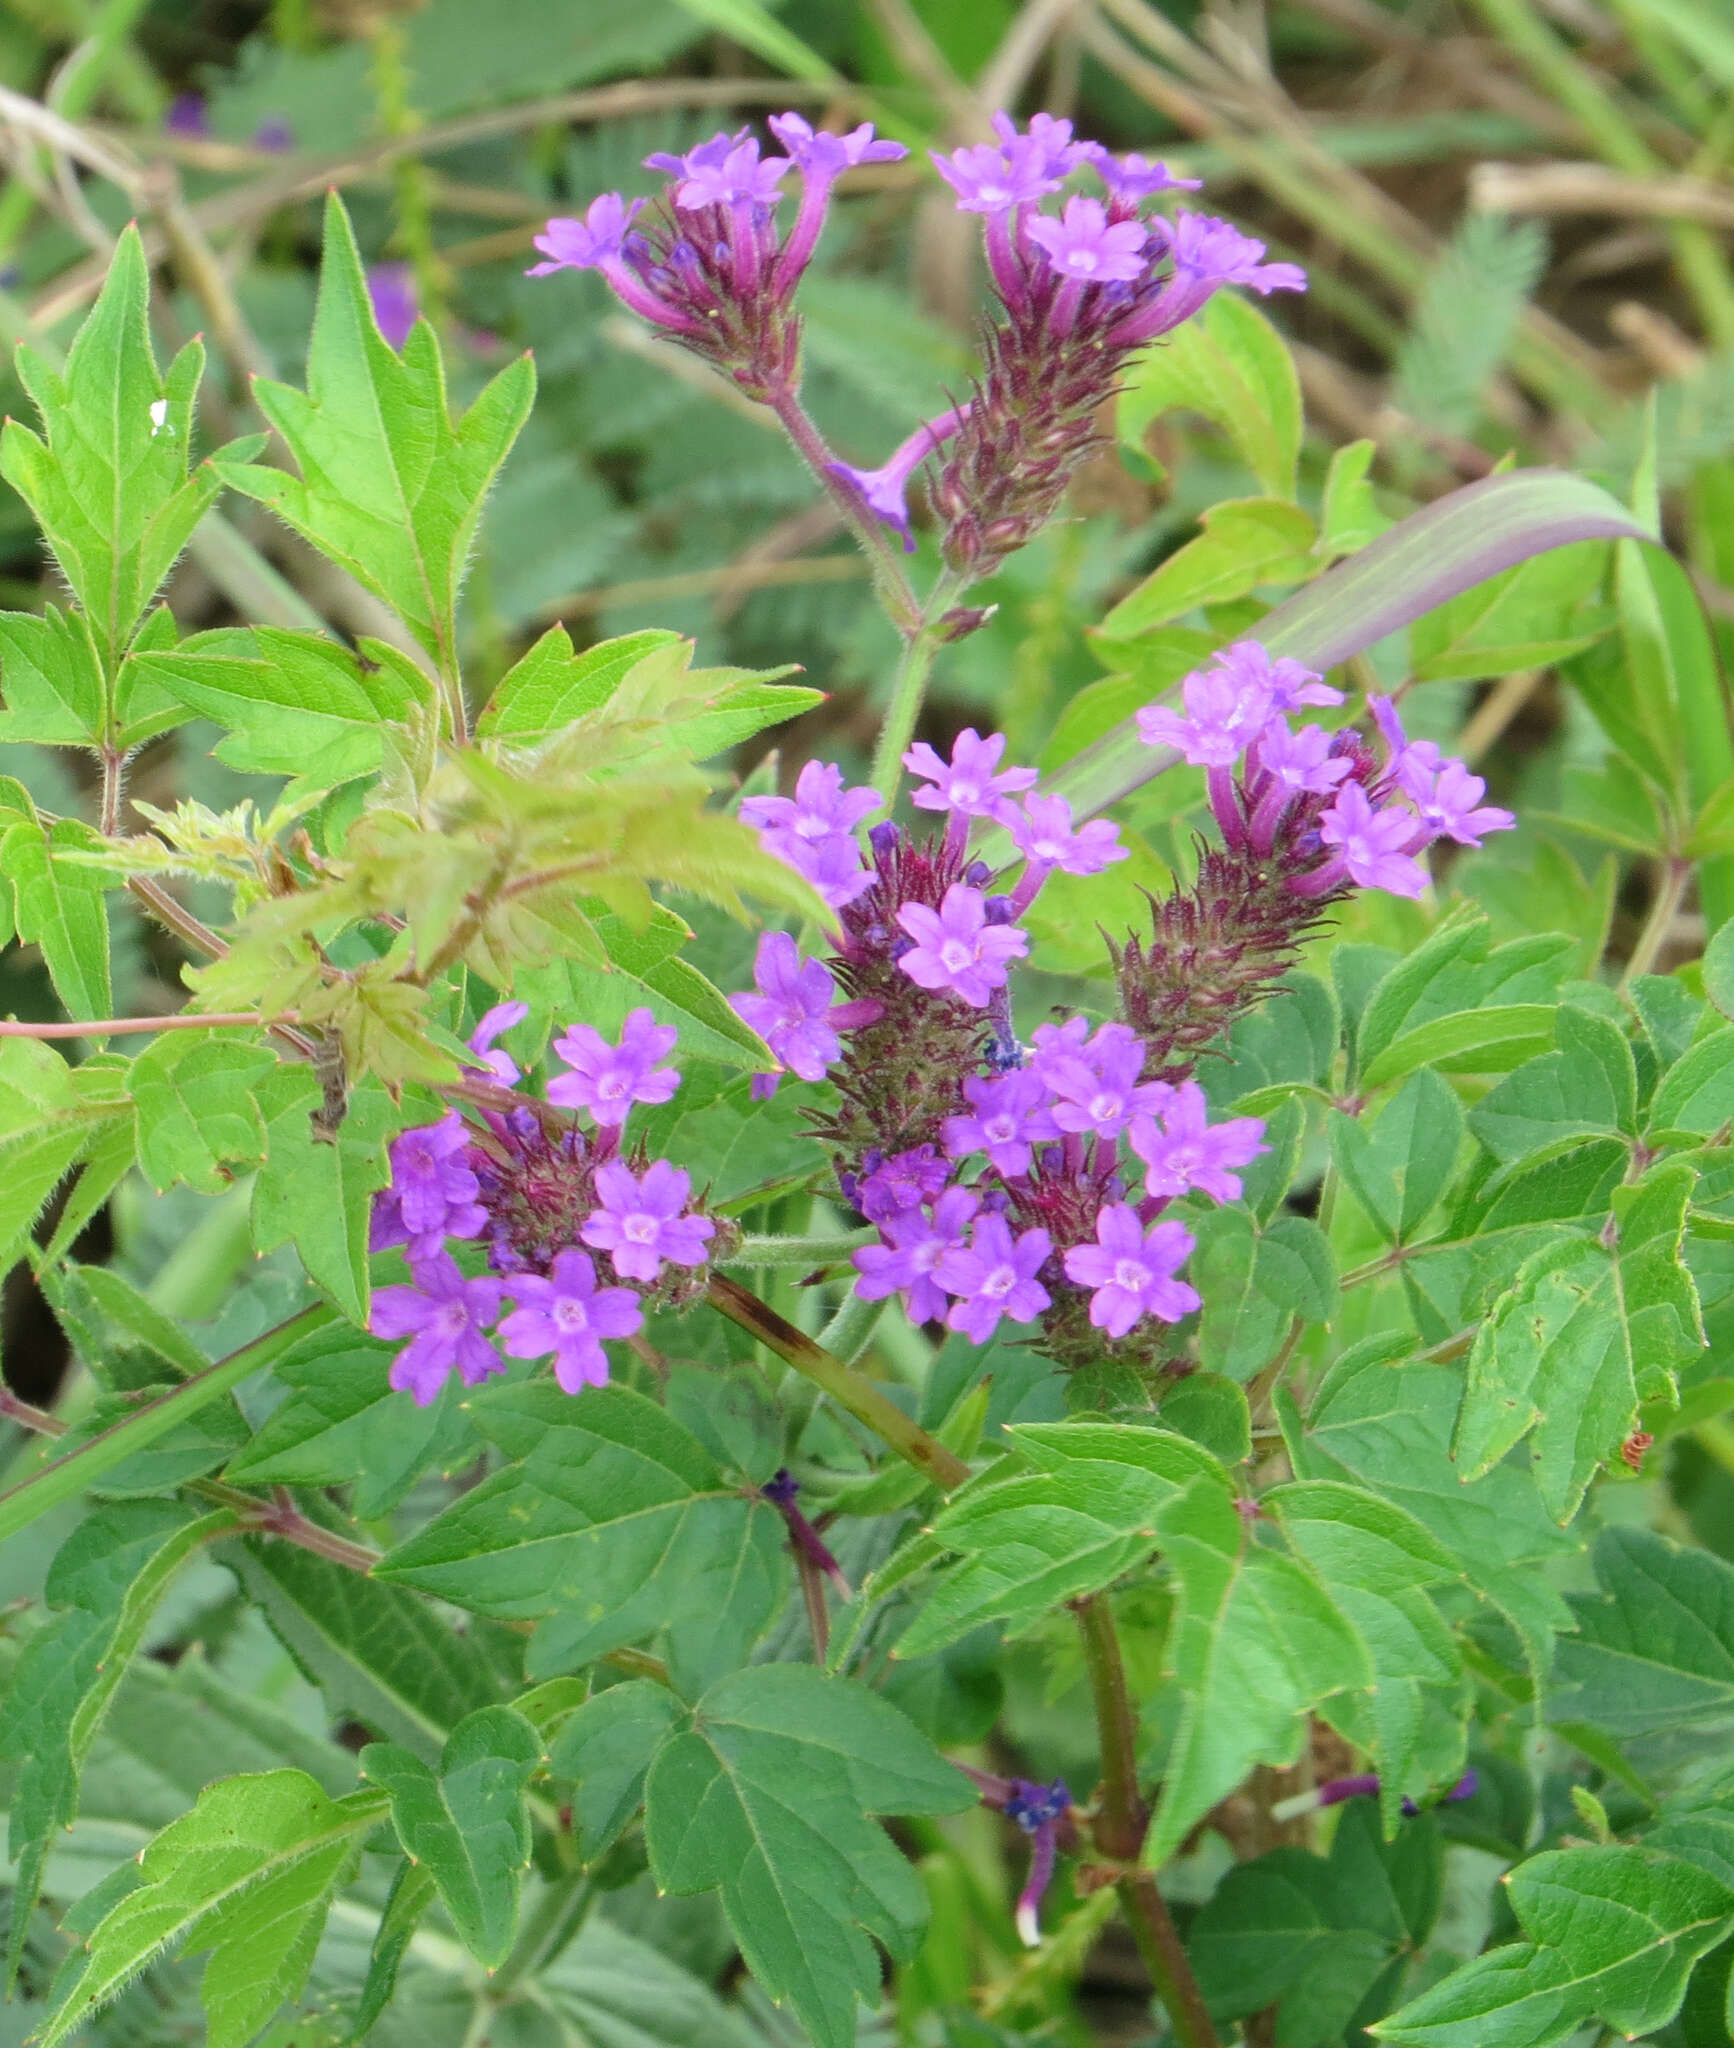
(117, 1027)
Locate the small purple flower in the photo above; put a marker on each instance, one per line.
(901, 1183)
(1182, 1149)
(914, 1245)
(607, 1080)
(641, 1221)
(1049, 142)
(1012, 1113)
(432, 1185)
(1373, 846)
(1132, 1270)
(989, 180)
(1226, 709)
(816, 152)
(568, 1315)
(1133, 177)
(391, 287)
(1447, 796)
(956, 948)
(1046, 837)
(793, 1011)
(1208, 252)
(188, 116)
(725, 171)
(592, 243)
(1038, 1810)
(1082, 244)
(444, 1316)
(1389, 720)
(885, 490)
(972, 782)
(994, 1276)
(1290, 683)
(1301, 762)
(501, 1018)
(1097, 1088)
(820, 806)
(1053, 1044)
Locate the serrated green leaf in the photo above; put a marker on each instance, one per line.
(1400, 1162)
(53, 679)
(1233, 367)
(1696, 1095)
(127, 1343)
(806, 1877)
(466, 1823)
(61, 907)
(1246, 543)
(1254, 1283)
(196, 1098)
(1586, 1087)
(412, 1892)
(549, 686)
(606, 1748)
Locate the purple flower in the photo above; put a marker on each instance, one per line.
(1049, 142)
(568, 1315)
(1446, 796)
(1012, 1113)
(968, 783)
(1046, 837)
(793, 1007)
(1133, 178)
(1301, 762)
(641, 1222)
(1182, 1149)
(884, 491)
(1097, 1087)
(818, 153)
(1389, 720)
(1132, 1270)
(444, 1316)
(431, 1183)
(956, 948)
(1373, 846)
(1208, 253)
(989, 180)
(1289, 682)
(725, 171)
(188, 116)
(901, 1183)
(1054, 1043)
(593, 243)
(994, 1276)
(1038, 1810)
(391, 287)
(1082, 244)
(607, 1080)
(1226, 709)
(913, 1248)
(814, 830)
(274, 135)
(501, 1018)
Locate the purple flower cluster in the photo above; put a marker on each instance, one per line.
(546, 1195)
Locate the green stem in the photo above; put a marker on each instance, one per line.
(557, 1917)
(907, 693)
(800, 1251)
(896, 594)
(1164, 1956)
(846, 1387)
(1120, 1818)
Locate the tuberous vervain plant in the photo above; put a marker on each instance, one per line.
(689, 1390)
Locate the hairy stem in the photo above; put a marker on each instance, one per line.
(1120, 1819)
(905, 706)
(1164, 1956)
(115, 1027)
(895, 591)
(1664, 908)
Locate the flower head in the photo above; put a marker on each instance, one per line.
(1046, 837)
(1131, 1270)
(641, 1220)
(1182, 1149)
(972, 782)
(725, 171)
(1096, 1087)
(587, 244)
(1447, 798)
(816, 152)
(994, 1276)
(568, 1315)
(1083, 243)
(501, 1018)
(444, 1316)
(1011, 1113)
(607, 1080)
(914, 1245)
(1226, 708)
(901, 1183)
(432, 1184)
(1131, 177)
(956, 948)
(1374, 845)
(793, 1008)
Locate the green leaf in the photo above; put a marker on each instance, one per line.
(467, 1823)
(46, 1126)
(1231, 366)
(606, 1748)
(1615, 1932)
(1246, 543)
(765, 1793)
(412, 1892)
(389, 486)
(127, 1343)
(550, 686)
(293, 703)
(1400, 1162)
(1585, 1333)
(107, 1577)
(1695, 1097)
(1654, 1652)
(250, 1874)
(610, 1519)
(1075, 1525)
(60, 906)
(1586, 1087)
(107, 479)
(1255, 1644)
(316, 1192)
(755, 28)
(196, 1096)
(1254, 1283)
(1350, 516)
(53, 679)
(1466, 315)
(1533, 615)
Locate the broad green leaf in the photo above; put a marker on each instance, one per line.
(412, 1892)
(316, 1192)
(107, 1578)
(550, 686)
(1654, 1652)
(389, 485)
(765, 1793)
(52, 675)
(1615, 1932)
(606, 1748)
(612, 1989)
(1212, 1411)
(250, 1874)
(1529, 617)
(1586, 1087)
(196, 1445)
(1695, 1097)
(1075, 1525)
(1255, 1644)
(1255, 1283)
(197, 1101)
(107, 478)
(293, 703)
(61, 907)
(127, 1343)
(610, 1520)
(1350, 515)
(466, 1823)
(1231, 366)
(1400, 1162)
(1246, 543)
(1586, 1332)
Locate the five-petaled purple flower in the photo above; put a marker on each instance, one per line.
(1182, 1149)
(444, 1316)
(1226, 708)
(1021, 170)
(1447, 797)
(641, 1220)
(1131, 1270)
(1302, 762)
(1012, 1113)
(1133, 177)
(814, 830)
(1374, 846)
(994, 1275)
(607, 1080)
(903, 1182)
(433, 1190)
(1096, 1088)
(1046, 837)
(794, 1012)
(1208, 253)
(568, 1315)
(492, 1024)
(1084, 244)
(914, 1245)
(725, 171)
(956, 948)
(972, 782)
(588, 244)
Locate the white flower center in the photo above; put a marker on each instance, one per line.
(999, 1283)
(1129, 1274)
(639, 1229)
(570, 1314)
(1001, 1130)
(453, 1319)
(955, 955)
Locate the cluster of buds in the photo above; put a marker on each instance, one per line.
(547, 1194)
